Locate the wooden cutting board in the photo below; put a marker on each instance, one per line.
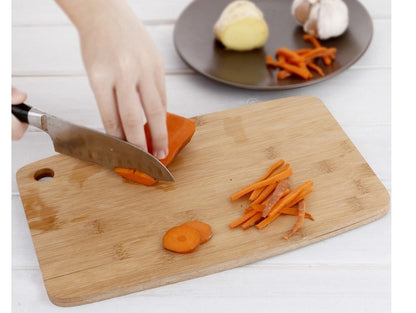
(98, 236)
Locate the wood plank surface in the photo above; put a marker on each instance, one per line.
(46, 12)
(97, 236)
(55, 50)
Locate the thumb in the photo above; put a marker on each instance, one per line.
(18, 128)
(18, 96)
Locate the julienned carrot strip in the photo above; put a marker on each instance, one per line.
(255, 207)
(255, 193)
(291, 56)
(281, 58)
(316, 68)
(291, 196)
(270, 170)
(299, 220)
(267, 221)
(252, 221)
(303, 51)
(270, 218)
(242, 219)
(275, 178)
(295, 212)
(283, 74)
(265, 193)
(270, 61)
(317, 44)
(285, 193)
(277, 194)
(318, 53)
(302, 72)
(301, 196)
(276, 170)
(312, 39)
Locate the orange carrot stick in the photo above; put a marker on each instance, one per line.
(265, 193)
(316, 68)
(252, 221)
(277, 194)
(301, 196)
(255, 207)
(242, 219)
(267, 221)
(283, 74)
(302, 72)
(299, 221)
(291, 196)
(318, 53)
(270, 170)
(270, 61)
(275, 178)
(302, 51)
(271, 218)
(317, 44)
(291, 56)
(295, 212)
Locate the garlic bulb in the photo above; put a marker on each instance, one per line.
(322, 18)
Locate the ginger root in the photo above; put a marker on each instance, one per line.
(241, 26)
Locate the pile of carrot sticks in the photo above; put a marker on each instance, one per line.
(271, 196)
(302, 61)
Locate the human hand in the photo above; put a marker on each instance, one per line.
(18, 128)
(124, 68)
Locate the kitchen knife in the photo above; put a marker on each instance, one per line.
(90, 145)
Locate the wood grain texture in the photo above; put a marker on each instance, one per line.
(97, 236)
(55, 50)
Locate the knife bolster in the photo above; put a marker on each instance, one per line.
(37, 118)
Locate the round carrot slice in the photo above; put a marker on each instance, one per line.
(204, 230)
(181, 239)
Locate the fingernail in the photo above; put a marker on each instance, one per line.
(161, 154)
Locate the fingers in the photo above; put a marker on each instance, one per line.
(153, 98)
(18, 128)
(106, 99)
(130, 110)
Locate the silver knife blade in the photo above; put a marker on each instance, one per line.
(93, 146)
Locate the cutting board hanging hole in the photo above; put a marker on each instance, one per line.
(44, 174)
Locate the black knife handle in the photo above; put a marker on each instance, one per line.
(21, 111)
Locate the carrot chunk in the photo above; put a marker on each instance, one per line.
(180, 132)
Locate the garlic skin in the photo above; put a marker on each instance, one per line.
(322, 18)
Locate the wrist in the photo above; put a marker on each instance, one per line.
(85, 13)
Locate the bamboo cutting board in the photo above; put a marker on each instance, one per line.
(99, 236)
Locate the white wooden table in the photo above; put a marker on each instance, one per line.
(347, 273)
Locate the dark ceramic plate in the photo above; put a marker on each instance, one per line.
(195, 43)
